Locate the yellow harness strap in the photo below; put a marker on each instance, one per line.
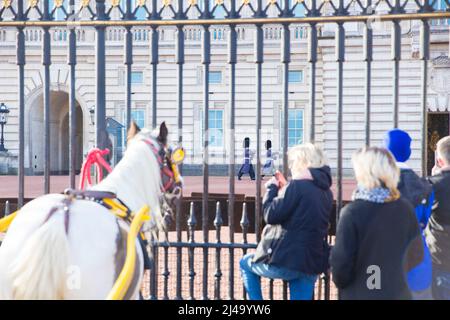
(117, 209)
(6, 221)
(124, 280)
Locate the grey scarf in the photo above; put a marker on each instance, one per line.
(377, 195)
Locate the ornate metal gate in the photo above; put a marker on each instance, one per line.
(66, 15)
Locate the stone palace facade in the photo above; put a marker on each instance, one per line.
(299, 114)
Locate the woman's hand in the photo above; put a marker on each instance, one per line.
(280, 179)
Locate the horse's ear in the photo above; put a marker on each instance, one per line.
(163, 133)
(133, 131)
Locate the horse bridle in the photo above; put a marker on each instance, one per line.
(170, 176)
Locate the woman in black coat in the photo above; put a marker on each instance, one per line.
(378, 239)
(293, 246)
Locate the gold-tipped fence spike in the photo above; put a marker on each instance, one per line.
(6, 3)
(33, 3)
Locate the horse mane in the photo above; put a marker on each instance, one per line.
(136, 179)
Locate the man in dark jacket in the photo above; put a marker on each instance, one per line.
(293, 246)
(438, 229)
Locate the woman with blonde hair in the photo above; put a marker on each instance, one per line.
(293, 246)
(378, 239)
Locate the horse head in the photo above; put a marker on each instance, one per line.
(169, 158)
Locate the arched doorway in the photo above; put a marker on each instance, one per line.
(438, 127)
(59, 134)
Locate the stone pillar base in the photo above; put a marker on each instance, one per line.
(8, 163)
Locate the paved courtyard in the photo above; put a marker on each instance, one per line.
(34, 186)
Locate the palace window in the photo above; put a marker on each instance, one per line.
(215, 77)
(295, 127)
(216, 127)
(295, 76)
(138, 115)
(137, 77)
(215, 123)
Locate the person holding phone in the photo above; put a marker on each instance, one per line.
(293, 245)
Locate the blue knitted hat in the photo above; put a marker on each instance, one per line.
(398, 142)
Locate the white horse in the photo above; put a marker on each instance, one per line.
(79, 253)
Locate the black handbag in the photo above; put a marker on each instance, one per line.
(271, 238)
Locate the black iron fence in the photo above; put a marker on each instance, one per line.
(66, 15)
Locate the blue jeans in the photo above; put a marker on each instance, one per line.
(301, 285)
(441, 284)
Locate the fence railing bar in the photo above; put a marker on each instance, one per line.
(180, 60)
(396, 56)
(312, 58)
(285, 291)
(244, 225)
(232, 60)
(424, 56)
(206, 61)
(154, 62)
(100, 108)
(210, 245)
(128, 65)
(285, 60)
(368, 58)
(237, 21)
(340, 57)
(72, 62)
(7, 210)
(218, 222)
(128, 61)
(166, 272)
(327, 291)
(46, 62)
(191, 245)
(259, 59)
(21, 97)
(154, 268)
(271, 289)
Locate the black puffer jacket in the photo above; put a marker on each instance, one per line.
(298, 224)
(412, 187)
(385, 236)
